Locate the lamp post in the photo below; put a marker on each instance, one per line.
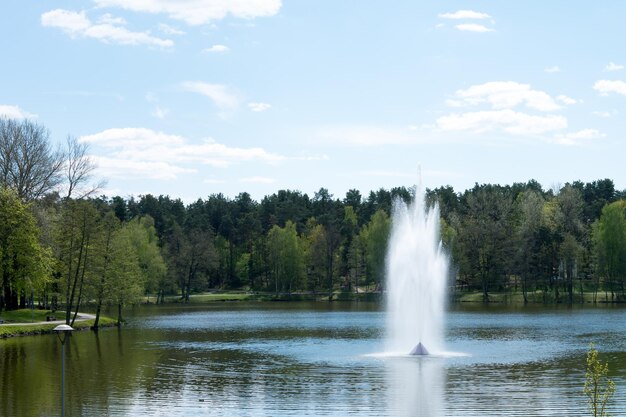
(63, 332)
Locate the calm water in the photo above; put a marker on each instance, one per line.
(276, 359)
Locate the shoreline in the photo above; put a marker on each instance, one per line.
(83, 322)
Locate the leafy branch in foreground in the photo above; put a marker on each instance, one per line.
(599, 388)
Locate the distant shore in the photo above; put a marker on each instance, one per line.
(536, 297)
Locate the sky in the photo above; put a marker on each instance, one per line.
(189, 98)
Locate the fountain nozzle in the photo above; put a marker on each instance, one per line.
(419, 350)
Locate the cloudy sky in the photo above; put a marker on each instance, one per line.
(194, 97)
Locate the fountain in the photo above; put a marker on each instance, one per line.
(417, 269)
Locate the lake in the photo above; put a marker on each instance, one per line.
(315, 359)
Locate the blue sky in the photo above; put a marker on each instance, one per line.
(195, 97)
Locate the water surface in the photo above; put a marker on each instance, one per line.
(315, 359)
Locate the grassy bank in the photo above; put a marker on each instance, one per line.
(511, 297)
(534, 297)
(26, 322)
(227, 296)
(26, 315)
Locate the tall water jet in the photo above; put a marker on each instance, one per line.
(417, 270)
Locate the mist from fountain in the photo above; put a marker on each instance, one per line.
(417, 270)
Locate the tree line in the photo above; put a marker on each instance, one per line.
(63, 245)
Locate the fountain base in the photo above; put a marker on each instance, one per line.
(419, 350)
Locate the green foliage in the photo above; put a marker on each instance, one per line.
(24, 315)
(610, 244)
(500, 238)
(24, 264)
(599, 388)
(286, 257)
(77, 229)
(144, 241)
(127, 282)
(315, 254)
(375, 237)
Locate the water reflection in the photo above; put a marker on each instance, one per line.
(415, 386)
(294, 361)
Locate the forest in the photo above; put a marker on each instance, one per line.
(63, 245)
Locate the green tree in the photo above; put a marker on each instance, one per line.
(329, 212)
(24, 264)
(349, 252)
(485, 236)
(77, 231)
(106, 254)
(142, 234)
(599, 388)
(374, 237)
(571, 230)
(286, 257)
(528, 210)
(315, 254)
(127, 280)
(610, 244)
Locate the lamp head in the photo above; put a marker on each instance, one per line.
(63, 329)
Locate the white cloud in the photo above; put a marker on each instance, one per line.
(503, 95)
(474, 27)
(259, 107)
(506, 120)
(387, 174)
(579, 137)
(152, 97)
(220, 94)
(197, 12)
(76, 24)
(71, 22)
(109, 19)
(212, 181)
(464, 14)
(605, 114)
(120, 168)
(566, 100)
(144, 153)
(455, 103)
(553, 69)
(131, 137)
(14, 112)
(169, 30)
(160, 112)
(217, 49)
(367, 136)
(612, 66)
(258, 180)
(605, 87)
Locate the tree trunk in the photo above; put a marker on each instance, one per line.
(119, 314)
(80, 289)
(96, 322)
(22, 298)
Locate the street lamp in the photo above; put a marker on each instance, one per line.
(63, 332)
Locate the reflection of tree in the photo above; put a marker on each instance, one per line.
(30, 372)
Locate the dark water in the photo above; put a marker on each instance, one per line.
(315, 360)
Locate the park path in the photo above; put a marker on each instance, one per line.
(79, 317)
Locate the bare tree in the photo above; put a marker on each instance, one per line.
(79, 168)
(28, 164)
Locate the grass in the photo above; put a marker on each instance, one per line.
(26, 315)
(26, 329)
(271, 296)
(533, 297)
